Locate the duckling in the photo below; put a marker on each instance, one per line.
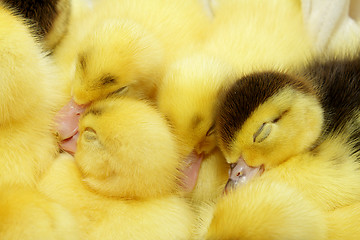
(115, 158)
(319, 185)
(257, 116)
(256, 121)
(28, 102)
(123, 181)
(188, 97)
(49, 19)
(258, 35)
(119, 57)
(121, 47)
(265, 210)
(125, 45)
(301, 130)
(270, 23)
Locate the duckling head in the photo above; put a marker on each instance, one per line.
(188, 98)
(126, 149)
(117, 58)
(267, 117)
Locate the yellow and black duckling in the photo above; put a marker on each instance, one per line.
(28, 101)
(301, 130)
(123, 183)
(268, 117)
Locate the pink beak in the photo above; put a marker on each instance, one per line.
(67, 124)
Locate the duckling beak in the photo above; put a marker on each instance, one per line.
(191, 171)
(240, 173)
(67, 125)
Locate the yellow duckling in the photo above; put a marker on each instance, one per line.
(126, 149)
(119, 57)
(28, 103)
(265, 210)
(188, 99)
(259, 35)
(122, 47)
(127, 44)
(124, 180)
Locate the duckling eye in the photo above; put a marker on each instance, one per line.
(89, 134)
(211, 130)
(119, 92)
(280, 116)
(262, 133)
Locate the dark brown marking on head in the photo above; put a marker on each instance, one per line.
(93, 111)
(82, 61)
(246, 94)
(41, 13)
(196, 120)
(107, 80)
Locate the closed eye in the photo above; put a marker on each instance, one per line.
(119, 91)
(211, 130)
(280, 116)
(262, 133)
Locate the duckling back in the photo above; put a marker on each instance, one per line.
(338, 84)
(29, 99)
(48, 19)
(259, 35)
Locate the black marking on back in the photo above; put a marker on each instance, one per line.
(42, 13)
(338, 83)
(247, 94)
